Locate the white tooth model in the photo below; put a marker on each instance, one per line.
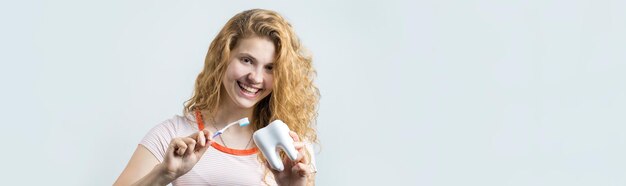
(272, 137)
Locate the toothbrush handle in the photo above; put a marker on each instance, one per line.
(216, 134)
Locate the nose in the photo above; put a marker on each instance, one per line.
(255, 77)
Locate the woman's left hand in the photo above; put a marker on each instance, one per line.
(296, 172)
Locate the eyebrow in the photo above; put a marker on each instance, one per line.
(244, 54)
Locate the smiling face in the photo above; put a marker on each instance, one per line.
(249, 78)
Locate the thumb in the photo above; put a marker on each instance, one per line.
(207, 136)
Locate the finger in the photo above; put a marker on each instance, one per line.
(294, 135)
(171, 147)
(298, 145)
(302, 155)
(301, 169)
(201, 139)
(200, 151)
(179, 146)
(191, 145)
(193, 136)
(208, 135)
(206, 139)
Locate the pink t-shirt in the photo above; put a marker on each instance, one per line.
(218, 166)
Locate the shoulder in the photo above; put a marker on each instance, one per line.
(158, 138)
(177, 125)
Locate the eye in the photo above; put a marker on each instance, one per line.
(246, 60)
(269, 67)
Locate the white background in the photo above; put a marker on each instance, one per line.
(450, 92)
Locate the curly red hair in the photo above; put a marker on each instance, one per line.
(294, 98)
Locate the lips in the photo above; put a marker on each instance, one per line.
(247, 90)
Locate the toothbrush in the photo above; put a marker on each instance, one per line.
(242, 123)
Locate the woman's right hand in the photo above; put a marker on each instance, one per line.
(183, 153)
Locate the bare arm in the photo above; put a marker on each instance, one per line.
(182, 154)
(143, 169)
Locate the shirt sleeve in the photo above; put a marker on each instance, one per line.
(158, 139)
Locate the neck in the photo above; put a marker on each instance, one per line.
(228, 112)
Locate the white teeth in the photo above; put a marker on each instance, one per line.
(247, 88)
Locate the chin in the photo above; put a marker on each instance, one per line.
(246, 104)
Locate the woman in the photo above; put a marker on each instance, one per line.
(255, 68)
